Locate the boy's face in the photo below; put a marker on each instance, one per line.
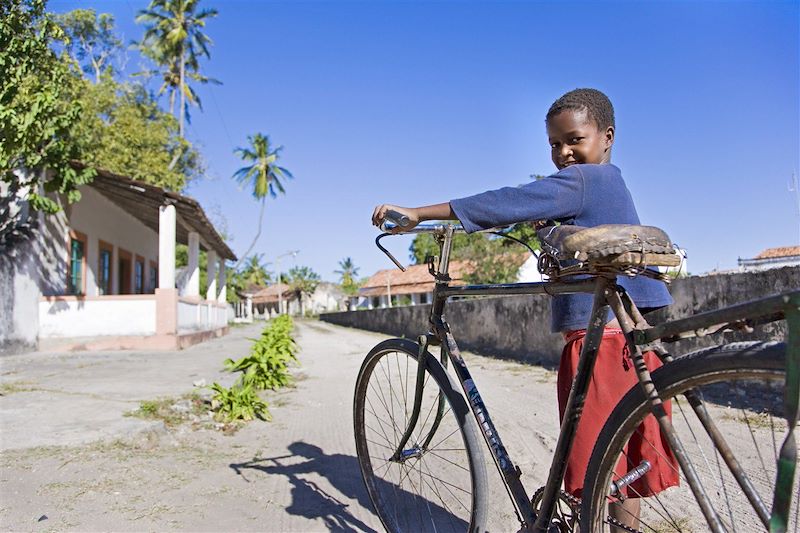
(575, 138)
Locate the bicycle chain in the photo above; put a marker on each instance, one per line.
(564, 523)
(574, 504)
(616, 523)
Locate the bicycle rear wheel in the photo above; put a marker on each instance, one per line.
(439, 487)
(741, 386)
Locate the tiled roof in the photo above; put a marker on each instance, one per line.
(269, 294)
(416, 279)
(783, 251)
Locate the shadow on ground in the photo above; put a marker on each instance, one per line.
(343, 472)
(309, 499)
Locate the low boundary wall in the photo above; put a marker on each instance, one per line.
(518, 327)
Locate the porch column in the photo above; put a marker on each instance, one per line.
(249, 308)
(222, 282)
(193, 283)
(166, 247)
(166, 293)
(211, 271)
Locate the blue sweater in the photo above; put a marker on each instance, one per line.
(583, 195)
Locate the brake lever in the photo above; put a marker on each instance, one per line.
(387, 252)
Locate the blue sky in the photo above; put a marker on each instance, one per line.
(421, 102)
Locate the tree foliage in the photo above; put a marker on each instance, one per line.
(90, 40)
(348, 279)
(38, 111)
(302, 280)
(50, 115)
(254, 272)
(173, 40)
(263, 176)
(126, 132)
(492, 259)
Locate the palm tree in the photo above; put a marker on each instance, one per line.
(255, 272)
(347, 276)
(173, 40)
(302, 280)
(263, 174)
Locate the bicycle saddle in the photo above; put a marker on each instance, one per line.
(619, 245)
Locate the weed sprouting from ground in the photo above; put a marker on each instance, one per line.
(265, 368)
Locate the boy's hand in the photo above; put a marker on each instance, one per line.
(379, 216)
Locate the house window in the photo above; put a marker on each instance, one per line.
(423, 298)
(138, 275)
(104, 262)
(376, 302)
(124, 271)
(77, 264)
(153, 278)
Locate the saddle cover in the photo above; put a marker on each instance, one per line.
(610, 244)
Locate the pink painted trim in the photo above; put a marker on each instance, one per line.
(105, 298)
(152, 342)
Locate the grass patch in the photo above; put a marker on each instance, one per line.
(12, 387)
(174, 411)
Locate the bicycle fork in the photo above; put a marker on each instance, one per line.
(401, 454)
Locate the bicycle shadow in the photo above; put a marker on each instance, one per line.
(309, 499)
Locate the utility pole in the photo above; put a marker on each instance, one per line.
(388, 288)
(793, 187)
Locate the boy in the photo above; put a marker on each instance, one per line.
(586, 191)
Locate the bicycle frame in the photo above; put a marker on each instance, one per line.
(641, 337)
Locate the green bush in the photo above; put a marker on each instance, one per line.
(265, 368)
(267, 365)
(240, 402)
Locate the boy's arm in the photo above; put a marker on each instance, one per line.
(415, 215)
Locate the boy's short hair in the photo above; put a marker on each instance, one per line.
(595, 102)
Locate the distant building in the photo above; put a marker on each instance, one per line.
(264, 301)
(100, 274)
(772, 258)
(391, 287)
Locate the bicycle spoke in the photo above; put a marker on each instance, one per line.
(462, 467)
(431, 491)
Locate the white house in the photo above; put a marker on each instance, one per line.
(392, 287)
(102, 273)
(772, 258)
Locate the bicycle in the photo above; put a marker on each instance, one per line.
(419, 449)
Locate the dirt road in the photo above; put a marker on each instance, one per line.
(71, 460)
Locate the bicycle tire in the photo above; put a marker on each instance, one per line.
(742, 380)
(414, 495)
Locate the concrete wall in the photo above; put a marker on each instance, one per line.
(518, 326)
(19, 296)
(70, 316)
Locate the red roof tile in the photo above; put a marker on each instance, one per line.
(783, 251)
(416, 279)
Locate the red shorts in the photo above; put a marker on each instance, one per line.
(612, 377)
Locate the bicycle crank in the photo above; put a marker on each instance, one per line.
(565, 517)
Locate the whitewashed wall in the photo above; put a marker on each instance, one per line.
(99, 218)
(200, 316)
(87, 317)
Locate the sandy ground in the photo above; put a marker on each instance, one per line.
(71, 460)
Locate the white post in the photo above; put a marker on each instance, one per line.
(193, 284)
(249, 308)
(222, 282)
(166, 247)
(388, 289)
(211, 271)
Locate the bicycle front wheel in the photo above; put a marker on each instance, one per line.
(440, 484)
(741, 387)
